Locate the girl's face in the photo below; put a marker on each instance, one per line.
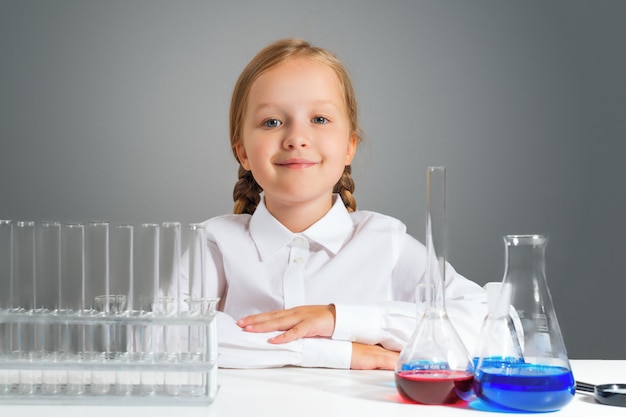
(296, 136)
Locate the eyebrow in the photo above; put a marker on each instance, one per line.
(262, 106)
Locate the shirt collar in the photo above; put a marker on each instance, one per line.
(331, 231)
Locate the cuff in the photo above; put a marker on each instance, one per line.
(357, 324)
(326, 353)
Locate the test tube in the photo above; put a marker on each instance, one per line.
(73, 268)
(48, 266)
(169, 274)
(145, 288)
(98, 300)
(122, 274)
(120, 288)
(6, 262)
(197, 288)
(48, 298)
(24, 299)
(97, 279)
(144, 298)
(169, 289)
(23, 284)
(72, 301)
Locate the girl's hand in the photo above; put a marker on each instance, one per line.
(372, 357)
(298, 322)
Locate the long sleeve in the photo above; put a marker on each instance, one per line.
(391, 323)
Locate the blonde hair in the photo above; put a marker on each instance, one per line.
(247, 192)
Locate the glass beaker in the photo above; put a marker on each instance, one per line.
(434, 366)
(543, 380)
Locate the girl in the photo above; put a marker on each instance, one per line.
(304, 278)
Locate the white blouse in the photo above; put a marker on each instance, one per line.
(362, 262)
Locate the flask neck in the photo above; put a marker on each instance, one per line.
(525, 253)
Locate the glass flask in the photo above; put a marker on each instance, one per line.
(541, 379)
(434, 366)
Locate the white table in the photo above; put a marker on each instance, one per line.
(304, 392)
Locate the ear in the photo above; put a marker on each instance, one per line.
(242, 156)
(352, 144)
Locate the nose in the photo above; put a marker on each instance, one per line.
(297, 136)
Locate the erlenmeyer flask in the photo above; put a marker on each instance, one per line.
(498, 345)
(543, 381)
(434, 366)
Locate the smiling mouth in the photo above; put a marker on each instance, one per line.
(297, 164)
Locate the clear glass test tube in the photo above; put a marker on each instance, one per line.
(122, 274)
(145, 288)
(97, 262)
(24, 299)
(120, 293)
(23, 284)
(72, 302)
(6, 262)
(48, 298)
(197, 291)
(73, 268)
(144, 299)
(169, 276)
(169, 289)
(98, 342)
(48, 266)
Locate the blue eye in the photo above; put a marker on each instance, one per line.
(319, 120)
(272, 123)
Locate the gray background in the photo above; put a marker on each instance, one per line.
(117, 110)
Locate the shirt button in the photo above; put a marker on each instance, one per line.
(298, 260)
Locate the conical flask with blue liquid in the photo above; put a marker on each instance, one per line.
(530, 372)
(434, 367)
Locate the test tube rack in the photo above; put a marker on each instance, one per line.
(104, 349)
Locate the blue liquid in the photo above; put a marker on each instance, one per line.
(525, 387)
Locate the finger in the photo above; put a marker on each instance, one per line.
(290, 335)
(274, 324)
(260, 318)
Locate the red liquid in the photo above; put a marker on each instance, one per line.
(435, 387)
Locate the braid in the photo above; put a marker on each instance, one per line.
(345, 188)
(247, 193)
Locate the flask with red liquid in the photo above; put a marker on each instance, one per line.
(435, 367)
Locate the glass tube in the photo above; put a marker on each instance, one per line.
(169, 288)
(197, 291)
(24, 299)
(6, 263)
(73, 268)
(436, 233)
(120, 291)
(23, 283)
(6, 334)
(49, 266)
(196, 297)
(122, 274)
(169, 276)
(97, 278)
(145, 288)
(48, 298)
(72, 301)
(98, 340)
